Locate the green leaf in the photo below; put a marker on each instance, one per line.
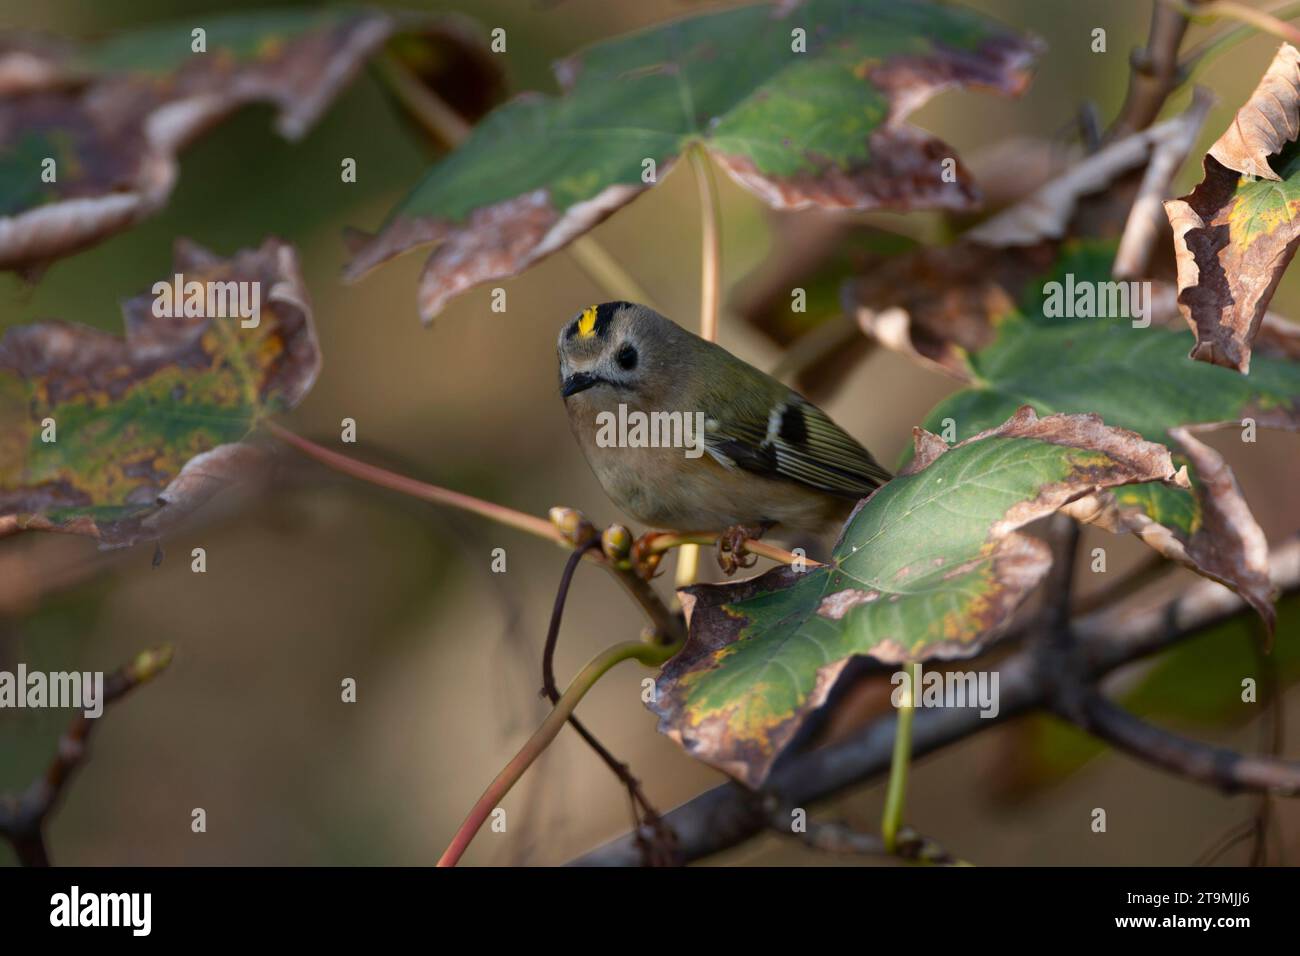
(821, 126)
(929, 566)
(114, 115)
(118, 438)
(1140, 379)
(950, 295)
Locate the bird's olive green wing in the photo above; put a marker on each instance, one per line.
(794, 440)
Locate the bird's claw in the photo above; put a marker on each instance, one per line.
(732, 555)
(645, 561)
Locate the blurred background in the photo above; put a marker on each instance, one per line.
(326, 578)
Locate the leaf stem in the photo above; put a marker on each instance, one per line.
(896, 795)
(711, 251)
(688, 558)
(1231, 10)
(428, 108)
(607, 272)
(652, 655)
(817, 345)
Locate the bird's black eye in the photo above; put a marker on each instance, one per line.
(626, 358)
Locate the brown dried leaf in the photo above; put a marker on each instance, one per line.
(114, 116)
(1229, 547)
(1237, 231)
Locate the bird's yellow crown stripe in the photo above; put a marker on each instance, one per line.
(587, 324)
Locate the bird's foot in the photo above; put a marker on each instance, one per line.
(645, 560)
(731, 547)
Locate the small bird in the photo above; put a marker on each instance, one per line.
(757, 454)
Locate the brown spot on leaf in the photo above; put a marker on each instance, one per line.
(836, 605)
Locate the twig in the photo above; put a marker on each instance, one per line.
(667, 625)
(658, 842)
(649, 654)
(660, 542)
(1152, 568)
(432, 112)
(1059, 590)
(1153, 72)
(821, 342)
(843, 840)
(1201, 55)
(729, 814)
(1230, 10)
(416, 489)
(828, 837)
(1146, 221)
(1225, 842)
(1052, 641)
(1272, 733)
(607, 272)
(22, 817)
(1256, 828)
(1226, 769)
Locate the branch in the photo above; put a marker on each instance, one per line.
(22, 817)
(842, 839)
(417, 489)
(1153, 72)
(1226, 769)
(730, 814)
(1146, 221)
(657, 844)
(660, 541)
(667, 625)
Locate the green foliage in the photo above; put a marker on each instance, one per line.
(929, 566)
(819, 125)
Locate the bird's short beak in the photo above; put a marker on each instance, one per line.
(578, 382)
